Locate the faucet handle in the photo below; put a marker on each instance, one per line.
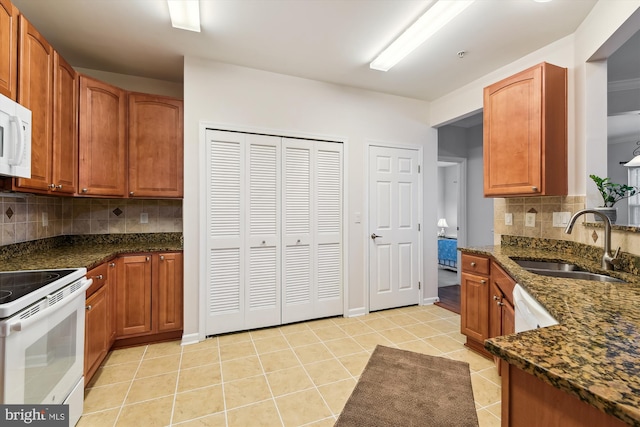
(614, 259)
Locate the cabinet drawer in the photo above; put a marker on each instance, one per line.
(475, 264)
(99, 276)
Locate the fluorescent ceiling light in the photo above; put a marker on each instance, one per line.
(185, 14)
(427, 25)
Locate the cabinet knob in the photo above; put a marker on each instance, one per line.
(51, 186)
(131, 193)
(112, 264)
(495, 298)
(84, 190)
(161, 257)
(534, 188)
(483, 281)
(99, 277)
(473, 264)
(499, 303)
(147, 258)
(88, 308)
(59, 186)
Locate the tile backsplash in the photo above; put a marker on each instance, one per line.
(544, 206)
(30, 217)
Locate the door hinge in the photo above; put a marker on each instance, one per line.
(418, 227)
(418, 168)
(419, 285)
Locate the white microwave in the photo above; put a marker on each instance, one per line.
(15, 139)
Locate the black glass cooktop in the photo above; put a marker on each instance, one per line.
(16, 284)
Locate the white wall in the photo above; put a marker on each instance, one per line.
(239, 96)
(136, 83)
(479, 208)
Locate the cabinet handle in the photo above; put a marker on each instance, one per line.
(473, 264)
(59, 186)
(161, 257)
(112, 264)
(483, 281)
(51, 186)
(84, 190)
(534, 188)
(99, 277)
(499, 303)
(88, 308)
(147, 258)
(495, 298)
(131, 193)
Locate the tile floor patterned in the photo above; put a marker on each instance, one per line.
(293, 375)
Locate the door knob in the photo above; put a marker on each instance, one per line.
(374, 236)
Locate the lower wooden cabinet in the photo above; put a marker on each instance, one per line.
(486, 301)
(99, 319)
(149, 298)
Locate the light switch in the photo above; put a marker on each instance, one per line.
(530, 219)
(508, 219)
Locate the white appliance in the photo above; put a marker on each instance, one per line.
(15, 139)
(530, 314)
(42, 315)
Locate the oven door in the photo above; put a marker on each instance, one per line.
(44, 353)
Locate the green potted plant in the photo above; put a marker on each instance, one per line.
(612, 193)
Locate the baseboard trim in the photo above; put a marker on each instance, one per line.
(355, 312)
(430, 300)
(188, 339)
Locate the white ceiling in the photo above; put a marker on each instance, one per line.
(326, 40)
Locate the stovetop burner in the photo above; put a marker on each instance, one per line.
(16, 284)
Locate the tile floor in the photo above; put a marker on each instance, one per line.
(293, 375)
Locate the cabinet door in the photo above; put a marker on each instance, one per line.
(168, 292)
(112, 278)
(65, 127)
(133, 307)
(96, 342)
(155, 146)
(9, 48)
(512, 135)
(102, 144)
(474, 310)
(495, 311)
(508, 318)
(35, 92)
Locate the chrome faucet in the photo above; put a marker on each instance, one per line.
(608, 260)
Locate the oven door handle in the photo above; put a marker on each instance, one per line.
(22, 325)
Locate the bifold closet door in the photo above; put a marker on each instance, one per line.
(312, 229)
(243, 231)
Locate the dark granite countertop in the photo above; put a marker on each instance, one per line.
(83, 251)
(594, 353)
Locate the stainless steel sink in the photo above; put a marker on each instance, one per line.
(563, 269)
(547, 265)
(582, 275)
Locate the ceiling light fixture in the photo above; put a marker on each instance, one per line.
(427, 25)
(185, 14)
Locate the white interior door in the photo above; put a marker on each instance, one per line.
(394, 249)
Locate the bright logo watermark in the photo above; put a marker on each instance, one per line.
(34, 415)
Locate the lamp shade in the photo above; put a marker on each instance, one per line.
(635, 162)
(442, 222)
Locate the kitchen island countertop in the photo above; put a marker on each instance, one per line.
(594, 353)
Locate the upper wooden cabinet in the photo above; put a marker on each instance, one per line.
(35, 92)
(9, 49)
(48, 86)
(64, 173)
(155, 146)
(102, 145)
(525, 134)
